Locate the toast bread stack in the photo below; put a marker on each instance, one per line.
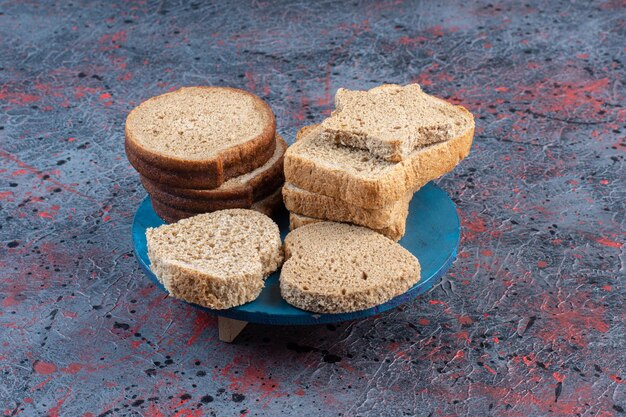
(201, 149)
(375, 150)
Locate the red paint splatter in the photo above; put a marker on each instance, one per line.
(571, 320)
(41, 384)
(490, 369)
(405, 40)
(542, 264)
(46, 215)
(112, 41)
(607, 242)
(438, 302)
(465, 320)
(254, 376)
(44, 368)
(9, 302)
(54, 411)
(72, 368)
(473, 225)
(201, 322)
(21, 99)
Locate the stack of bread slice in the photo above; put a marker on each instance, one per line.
(202, 149)
(363, 164)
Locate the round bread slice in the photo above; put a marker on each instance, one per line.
(339, 268)
(268, 205)
(241, 191)
(218, 260)
(199, 137)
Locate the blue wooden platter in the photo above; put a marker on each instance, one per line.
(432, 235)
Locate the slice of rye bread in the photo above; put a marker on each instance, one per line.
(394, 231)
(268, 206)
(199, 137)
(320, 206)
(241, 191)
(355, 176)
(391, 121)
(337, 268)
(217, 260)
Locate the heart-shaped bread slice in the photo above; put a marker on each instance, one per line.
(338, 268)
(217, 260)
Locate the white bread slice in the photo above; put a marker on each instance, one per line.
(355, 176)
(218, 260)
(337, 268)
(320, 206)
(391, 121)
(394, 231)
(198, 137)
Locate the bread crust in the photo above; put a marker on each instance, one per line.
(268, 206)
(320, 206)
(394, 231)
(255, 188)
(210, 173)
(409, 175)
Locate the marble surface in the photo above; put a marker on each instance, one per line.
(528, 322)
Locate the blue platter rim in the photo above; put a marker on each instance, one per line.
(146, 217)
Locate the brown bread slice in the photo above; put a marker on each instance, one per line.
(199, 137)
(394, 231)
(218, 260)
(320, 206)
(355, 176)
(336, 268)
(241, 191)
(391, 121)
(268, 205)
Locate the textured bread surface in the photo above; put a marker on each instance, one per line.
(320, 206)
(355, 176)
(198, 137)
(336, 268)
(268, 205)
(240, 191)
(394, 231)
(217, 260)
(391, 121)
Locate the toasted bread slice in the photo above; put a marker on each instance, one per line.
(338, 268)
(241, 191)
(391, 121)
(320, 206)
(268, 205)
(395, 231)
(355, 176)
(218, 260)
(199, 137)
